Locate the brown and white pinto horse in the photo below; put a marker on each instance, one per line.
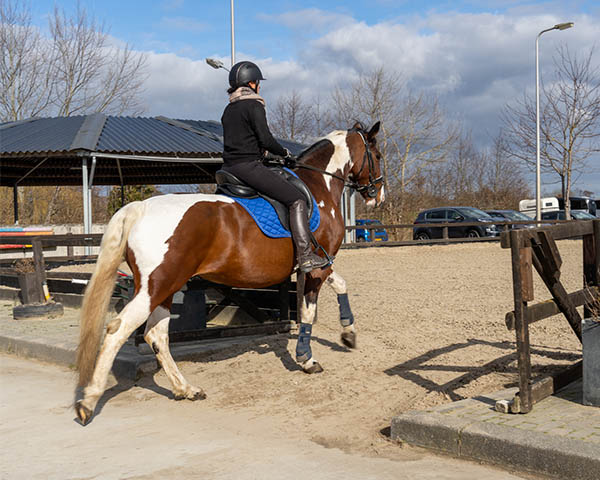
(170, 238)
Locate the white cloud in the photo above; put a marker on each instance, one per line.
(475, 62)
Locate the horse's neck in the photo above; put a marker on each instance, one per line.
(328, 186)
(323, 186)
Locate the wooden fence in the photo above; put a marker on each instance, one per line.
(445, 232)
(536, 248)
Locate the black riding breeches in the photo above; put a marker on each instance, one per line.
(256, 175)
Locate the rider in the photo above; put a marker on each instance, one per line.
(246, 137)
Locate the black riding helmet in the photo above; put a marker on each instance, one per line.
(243, 73)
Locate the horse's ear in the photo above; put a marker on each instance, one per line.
(373, 131)
(357, 126)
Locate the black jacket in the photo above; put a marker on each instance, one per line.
(246, 134)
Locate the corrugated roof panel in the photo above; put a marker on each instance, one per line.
(40, 135)
(150, 135)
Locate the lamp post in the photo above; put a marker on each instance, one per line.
(232, 37)
(538, 195)
(217, 63)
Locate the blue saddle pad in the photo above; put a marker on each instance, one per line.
(266, 217)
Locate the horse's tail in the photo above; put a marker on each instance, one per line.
(100, 288)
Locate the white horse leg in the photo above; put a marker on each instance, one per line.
(157, 336)
(117, 333)
(338, 284)
(308, 313)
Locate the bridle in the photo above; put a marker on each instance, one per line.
(371, 188)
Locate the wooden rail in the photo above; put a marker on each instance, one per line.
(37, 294)
(502, 226)
(536, 248)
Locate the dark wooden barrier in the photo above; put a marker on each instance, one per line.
(446, 239)
(39, 243)
(271, 308)
(536, 248)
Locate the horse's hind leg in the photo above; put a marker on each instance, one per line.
(157, 336)
(117, 332)
(338, 284)
(308, 315)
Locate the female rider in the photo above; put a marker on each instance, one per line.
(246, 137)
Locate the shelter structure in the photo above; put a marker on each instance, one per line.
(109, 150)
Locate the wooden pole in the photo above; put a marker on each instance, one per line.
(520, 258)
(40, 268)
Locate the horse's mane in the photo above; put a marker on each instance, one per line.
(313, 148)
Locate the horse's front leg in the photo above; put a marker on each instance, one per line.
(338, 284)
(308, 315)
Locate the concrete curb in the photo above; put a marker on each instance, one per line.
(533, 451)
(129, 363)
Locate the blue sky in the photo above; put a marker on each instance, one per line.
(475, 55)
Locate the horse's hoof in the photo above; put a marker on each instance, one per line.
(349, 339)
(314, 368)
(84, 414)
(193, 395)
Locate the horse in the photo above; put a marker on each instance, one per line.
(168, 239)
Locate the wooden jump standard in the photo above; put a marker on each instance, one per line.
(537, 247)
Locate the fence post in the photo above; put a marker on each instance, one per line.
(523, 292)
(40, 268)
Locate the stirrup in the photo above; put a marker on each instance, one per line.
(311, 262)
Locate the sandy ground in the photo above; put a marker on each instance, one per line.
(141, 434)
(430, 322)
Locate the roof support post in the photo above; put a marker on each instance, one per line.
(86, 199)
(122, 186)
(16, 203)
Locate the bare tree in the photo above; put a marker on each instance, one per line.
(26, 83)
(569, 120)
(415, 132)
(293, 118)
(75, 70)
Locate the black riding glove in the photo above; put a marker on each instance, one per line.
(290, 161)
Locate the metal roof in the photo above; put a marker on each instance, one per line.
(108, 134)
(135, 150)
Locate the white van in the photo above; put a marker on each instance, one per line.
(549, 204)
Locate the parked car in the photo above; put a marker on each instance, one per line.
(560, 215)
(510, 216)
(364, 235)
(457, 216)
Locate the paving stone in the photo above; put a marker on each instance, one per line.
(559, 437)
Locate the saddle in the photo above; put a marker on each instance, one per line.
(228, 184)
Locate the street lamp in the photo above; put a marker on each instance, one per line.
(538, 195)
(216, 63)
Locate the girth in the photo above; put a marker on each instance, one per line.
(229, 184)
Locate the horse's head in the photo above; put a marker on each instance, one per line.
(366, 163)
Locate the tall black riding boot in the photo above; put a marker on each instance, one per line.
(307, 260)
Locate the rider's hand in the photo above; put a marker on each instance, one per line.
(290, 161)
